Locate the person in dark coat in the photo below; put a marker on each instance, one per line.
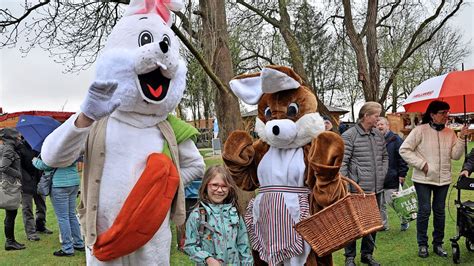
(397, 170)
(10, 171)
(468, 166)
(29, 181)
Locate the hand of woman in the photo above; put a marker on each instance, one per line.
(464, 132)
(464, 173)
(425, 169)
(212, 262)
(401, 180)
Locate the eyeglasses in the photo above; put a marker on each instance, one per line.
(216, 187)
(442, 112)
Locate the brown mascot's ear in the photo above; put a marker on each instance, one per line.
(279, 78)
(247, 87)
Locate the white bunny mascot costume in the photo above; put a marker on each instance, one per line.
(137, 156)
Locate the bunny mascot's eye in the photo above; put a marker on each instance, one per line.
(165, 43)
(292, 110)
(145, 38)
(267, 113)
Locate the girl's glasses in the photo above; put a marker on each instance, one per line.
(216, 187)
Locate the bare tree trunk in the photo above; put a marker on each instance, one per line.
(358, 46)
(372, 51)
(215, 44)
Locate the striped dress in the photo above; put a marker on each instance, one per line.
(282, 201)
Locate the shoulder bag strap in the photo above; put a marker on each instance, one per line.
(178, 209)
(168, 133)
(51, 183)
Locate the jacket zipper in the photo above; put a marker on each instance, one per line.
(439, 160)
(224, 233)
(374, 152)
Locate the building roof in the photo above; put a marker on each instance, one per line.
(334, 109)
(60, 116)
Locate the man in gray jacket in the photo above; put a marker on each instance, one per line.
(366, 162)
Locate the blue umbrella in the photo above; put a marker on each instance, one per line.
(35, 129)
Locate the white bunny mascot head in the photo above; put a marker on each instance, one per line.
(142, 56)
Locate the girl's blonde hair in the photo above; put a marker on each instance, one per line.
(229, 181)
(369, 108)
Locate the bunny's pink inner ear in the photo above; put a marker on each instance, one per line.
(137, 7)
(162, 10)
(151, 6)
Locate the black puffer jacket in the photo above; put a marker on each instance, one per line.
(29, 174)
(10, 165)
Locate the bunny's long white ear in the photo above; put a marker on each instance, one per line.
(274, 80)
(160, 7)
(247, 87)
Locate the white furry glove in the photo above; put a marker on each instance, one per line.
(98, 102)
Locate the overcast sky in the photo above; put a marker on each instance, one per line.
(35, 82)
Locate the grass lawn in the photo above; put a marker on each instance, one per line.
(393, 247)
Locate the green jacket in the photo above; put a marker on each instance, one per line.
(224, 236)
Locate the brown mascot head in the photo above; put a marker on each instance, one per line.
(287, 116)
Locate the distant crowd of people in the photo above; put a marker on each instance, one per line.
(20, 164)
(374, 156)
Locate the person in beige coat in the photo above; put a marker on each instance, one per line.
(429, 149)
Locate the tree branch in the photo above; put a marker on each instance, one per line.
(390, 12)
(410, 49)
(256, 55)
(275, 23)
(382, 19)
(186, 24)
(6, 13)
(201, 60)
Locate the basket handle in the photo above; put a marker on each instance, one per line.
(353, 183)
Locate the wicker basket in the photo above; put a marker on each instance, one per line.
(350, 218)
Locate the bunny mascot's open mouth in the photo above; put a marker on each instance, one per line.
(154, 85)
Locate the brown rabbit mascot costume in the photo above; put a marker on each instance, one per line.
(294, 163)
